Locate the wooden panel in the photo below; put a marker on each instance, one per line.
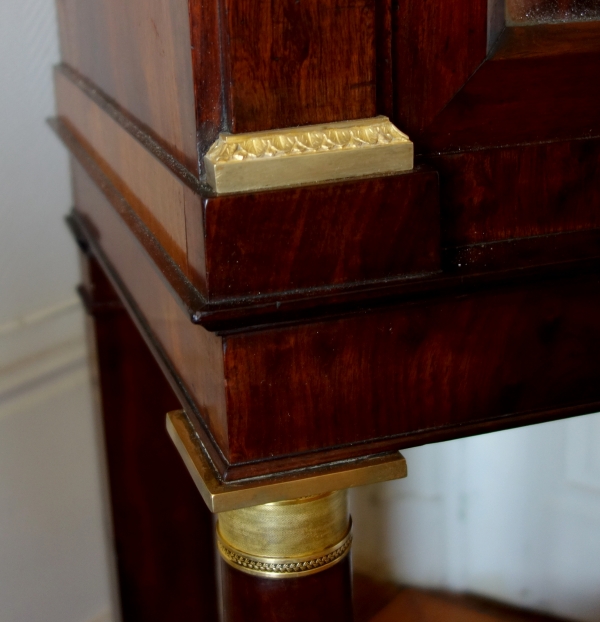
(518, 259)
(322, 235)
(138, 52)
(162, 529)
(437, 46)
(154, 191)
(377, 379)
(209, 73)
(195, 354)
(534, 190)
(410, 372)
(543, 83)
(299, 63)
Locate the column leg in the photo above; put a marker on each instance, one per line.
(162, 528)
(287, 561)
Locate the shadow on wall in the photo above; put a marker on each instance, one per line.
(53, 555)
(512, 515)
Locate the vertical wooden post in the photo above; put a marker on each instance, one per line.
(287, 561)
(162, 528)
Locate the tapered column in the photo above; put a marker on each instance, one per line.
(287, 561)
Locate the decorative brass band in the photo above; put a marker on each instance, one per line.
(284, 567)
(294, 529)
(287, 538)
(221, 497)
(308, 154)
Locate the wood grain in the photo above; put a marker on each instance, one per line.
(539, 83)
(525, 94)
(364, 230)
(433, 365)
(515, 192)
(286, 58)
(162, 529)
(467, 360)
(188, 70)
(156, 194)
(437, 46)
(522, 253)
(138, 52)
(195, 354)
(210, 72)
(320, 597)
(324, 235)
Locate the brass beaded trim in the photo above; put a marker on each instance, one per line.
(281, 568)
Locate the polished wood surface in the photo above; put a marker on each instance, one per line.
(127, 49)
(162, 576)
(322, 236)
(527, 91)
(192, 357)
(319, 236)
(325, 324)
(429, 369)
(425, 370)
(320, 597)
(437, 46)
(519, 192)
(284, 60)
(186, 71)
(156, 193)
(538, 82)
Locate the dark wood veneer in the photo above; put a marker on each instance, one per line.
(323, 235)
(320, 236)
(440, 363)
(285, 58)
(539, 83)
(152, 499)
(517, 261)
(517, 192)
(188, 69)
(322, 597)
(438, 45)
(528, 90)
(301, 328)
(395, 376)
(133, 51)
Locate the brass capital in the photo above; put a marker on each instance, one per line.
(287, 538)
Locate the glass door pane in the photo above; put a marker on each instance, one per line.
(548, 11)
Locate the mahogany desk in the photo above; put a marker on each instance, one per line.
(269, 258)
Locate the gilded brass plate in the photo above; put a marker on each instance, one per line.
(221, 497)
(307, 155)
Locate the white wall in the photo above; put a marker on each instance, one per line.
(514, 515)
(53, 565)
